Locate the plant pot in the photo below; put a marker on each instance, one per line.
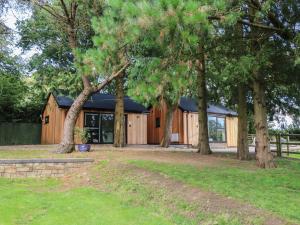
(84, 147)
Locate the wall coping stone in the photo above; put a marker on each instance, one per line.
(65, 160)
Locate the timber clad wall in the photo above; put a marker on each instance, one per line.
(232, 131)
(155, 134)
(53, 130)
(190, 121)
(186, 125)
(141, 128)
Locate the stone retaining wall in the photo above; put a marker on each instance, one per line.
(13, 168)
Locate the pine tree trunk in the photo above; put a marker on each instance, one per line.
(67, 142)
(165, 142)
(263, 155)
(242, 145)
(203, 141)
(119, 124)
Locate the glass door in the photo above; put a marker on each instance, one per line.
(106, 128)
(91, 124)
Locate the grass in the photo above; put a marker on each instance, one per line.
(123, 200)
(277, 190)
(123, 183)
(41, 202)
(292, 155)
(116, 196)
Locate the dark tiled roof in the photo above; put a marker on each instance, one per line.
(190, 105)
(105, 102)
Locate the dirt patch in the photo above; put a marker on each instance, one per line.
(204, 201)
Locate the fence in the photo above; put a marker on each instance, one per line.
(288, 144)
(282, 144)
(20, 133)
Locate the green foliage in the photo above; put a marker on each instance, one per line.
(115, 34)
(52, 64)
(12, 86)
(150, 81)
(11, 91)
(82, 134)
(165, 55)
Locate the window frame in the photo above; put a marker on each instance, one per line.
(217, 117)
(47, 119)
(99, 128)
(157, 122)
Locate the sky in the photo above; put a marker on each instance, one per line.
(10, 19)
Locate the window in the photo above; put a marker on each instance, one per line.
(46, 119)
(157, 122)
(100, 127)
(216, 129)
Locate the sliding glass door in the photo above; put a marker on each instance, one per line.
(100, 127)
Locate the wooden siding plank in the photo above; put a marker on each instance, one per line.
(232, 131)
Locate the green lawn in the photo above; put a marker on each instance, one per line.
(122, 200)
(291, 155)
(115, 196)
(277, 190)
(42, 202)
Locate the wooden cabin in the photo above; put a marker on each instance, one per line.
(97, 116)
(222, 124)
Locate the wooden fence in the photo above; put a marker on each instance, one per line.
(20, 133)
(286, 144)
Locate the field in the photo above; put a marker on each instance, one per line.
(154, 188)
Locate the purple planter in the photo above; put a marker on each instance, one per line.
(84, 147)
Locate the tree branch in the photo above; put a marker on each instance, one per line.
(50, 10)
(112, 77)
(65, 9)
(249, 23)
(284, 32)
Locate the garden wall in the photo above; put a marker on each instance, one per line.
(14, 168)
